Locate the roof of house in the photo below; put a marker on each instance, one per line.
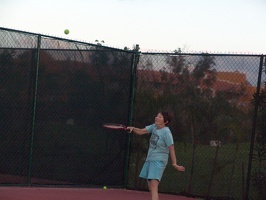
(232, 77)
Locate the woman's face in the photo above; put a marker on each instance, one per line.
(159, 120)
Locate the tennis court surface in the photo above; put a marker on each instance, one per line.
(46, 193)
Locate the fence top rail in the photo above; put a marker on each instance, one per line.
(65, 39)
(131, 51)
(200, 54)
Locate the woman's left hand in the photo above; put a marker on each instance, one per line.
(179, 168)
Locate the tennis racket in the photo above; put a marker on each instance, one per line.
(115, 126)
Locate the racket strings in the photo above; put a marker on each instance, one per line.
(115, 126)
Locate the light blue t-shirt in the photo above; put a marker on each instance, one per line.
(160, 141)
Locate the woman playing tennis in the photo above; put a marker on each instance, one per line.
(161, 143)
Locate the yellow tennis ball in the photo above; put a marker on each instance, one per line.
(104, 187)
(66, 31)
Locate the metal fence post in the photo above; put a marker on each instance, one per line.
(252, 140)
(135, 60)
(34, 108)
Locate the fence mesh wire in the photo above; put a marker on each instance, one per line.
(52, 114)
(55, 94)
(210, 97)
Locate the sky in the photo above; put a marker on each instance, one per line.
(213, 26)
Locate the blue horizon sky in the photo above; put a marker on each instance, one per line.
(224, 26)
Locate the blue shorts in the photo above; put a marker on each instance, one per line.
(152, 170)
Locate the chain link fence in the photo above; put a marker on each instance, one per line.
(55, 94)
(210, 97)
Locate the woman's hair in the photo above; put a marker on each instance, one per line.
(167, 117)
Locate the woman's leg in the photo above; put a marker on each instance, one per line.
(153, 187)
